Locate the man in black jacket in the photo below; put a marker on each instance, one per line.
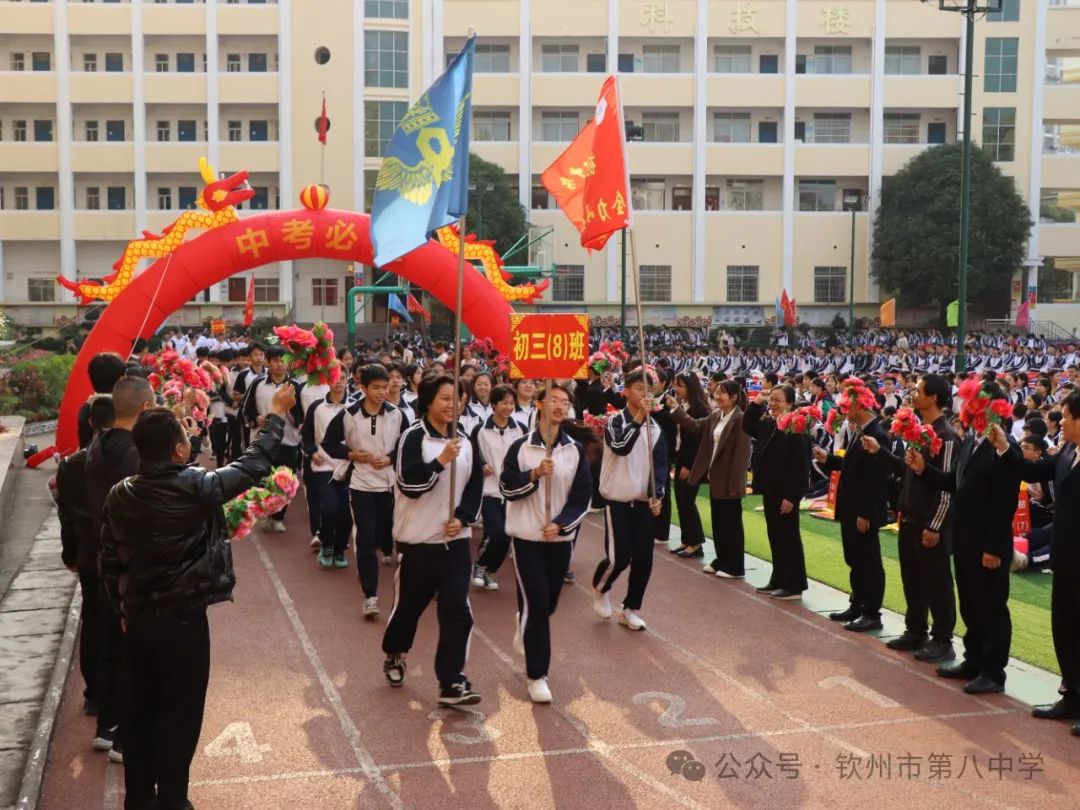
(781, 475)
(165, 558)
(861, 512)
(1063, 470)
(985, 497)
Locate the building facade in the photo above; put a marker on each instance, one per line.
(760, 131)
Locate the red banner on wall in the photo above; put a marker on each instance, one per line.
(549, 346)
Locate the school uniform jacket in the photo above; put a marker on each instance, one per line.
(257, 399)
(493, 442)
(353, 428)
(313, 434)
(571, 487)
(624, 472)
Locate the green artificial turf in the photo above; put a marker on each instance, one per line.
(1029, 598)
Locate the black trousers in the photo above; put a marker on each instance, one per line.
(862, 553)
(313, 498)
(496, 542)
(332, 504)
(373, 514)
(628, 541)
(693, 533)
(984, 607)
(219, 441)
(168, 661)
(1064, 623)
(662, 522)
(111, 693)
(236, 437)
(287, 456)
(540, 568)
(785, 542)
(926, 574)
(427, 569)
(90, 635)
(729, 540)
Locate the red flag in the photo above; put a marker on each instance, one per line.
(412, 305)
(788, 306)
(588, 180)
(324, 122)
(249, 303)
(1023, 314)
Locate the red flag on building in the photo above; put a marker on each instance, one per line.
(413, 305)
(788, 306)
(588, 180)
(249, 302)
(324, 122)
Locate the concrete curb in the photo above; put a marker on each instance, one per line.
(38, 753)
(11, 447)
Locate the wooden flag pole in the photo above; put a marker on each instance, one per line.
(457, 356)
(641, 352)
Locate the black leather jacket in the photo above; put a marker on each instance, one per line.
(164, 546)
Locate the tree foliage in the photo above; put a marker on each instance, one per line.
(916, 236)
(494, 214)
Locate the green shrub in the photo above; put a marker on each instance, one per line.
(34, 387)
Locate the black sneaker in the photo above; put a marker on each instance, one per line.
(458, 694)
(907, 641)
(767, 588)
(936, 652)
(849, 615)
(394, 669)
(786, 595)
(104, 739)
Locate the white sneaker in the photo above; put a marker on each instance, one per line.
(602, 604)
(315, 543)
(539, 691)
(371, 606)
(278, 526)
(708, 569)
(629, 618)
(519, 642)
(388, 559)
(1019, 561)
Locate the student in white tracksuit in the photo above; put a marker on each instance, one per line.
(435, 556)
(330, 495)
(541, 536)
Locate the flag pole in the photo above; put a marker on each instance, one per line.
(549, 442)
(457, 355)
(322, 178)
(641, 352)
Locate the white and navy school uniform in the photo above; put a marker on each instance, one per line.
(524, 415)
(430, 562)
(542, 564)
(257, 402)
(624, 486)
(330, 497)
(310, 396)
(371, 491)
(492, 443)
(218, 420)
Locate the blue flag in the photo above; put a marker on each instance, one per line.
(423, 183)
(394, 304)
(779, 314)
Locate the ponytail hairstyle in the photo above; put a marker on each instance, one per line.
(733, 389)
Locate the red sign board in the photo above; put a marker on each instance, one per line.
(217, 327)
(549, 346)
(1022, 516)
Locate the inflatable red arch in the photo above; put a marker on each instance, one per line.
(214, 255)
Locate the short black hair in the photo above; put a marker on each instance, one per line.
(1034, 441)
(1072, 402)
(936, 386)
(499, 393)
(789, 392)
(542, 392)
(373, 372)
(156, 433)
(274, 352)
(635, 376)
(429, 389)
(1036, 427)
(101, 412)
(104, 370)
(130, 395)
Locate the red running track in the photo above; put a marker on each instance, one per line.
(770, 705)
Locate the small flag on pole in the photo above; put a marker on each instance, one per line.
(888, 313)
(417, 307)
(788, 306)
(394, 304)
(324, 122)
(779, 314)
(1023, 314)
(952, 314)
(249, 302)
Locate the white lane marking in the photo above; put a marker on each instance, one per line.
(114, 781)
(672, 715)
(352, 733)
(237, 740)
(860, 689)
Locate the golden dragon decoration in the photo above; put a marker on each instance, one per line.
(215, 208)
(483, 251)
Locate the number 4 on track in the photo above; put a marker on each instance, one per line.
(237, 740)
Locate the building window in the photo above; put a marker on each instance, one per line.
(22, 198)
(380, 120)
(185, 130)
(19, 128)
(732, 59)
(731, 127)
(902, 127)
(324, 292)
(237, 288)
(937, 64)
(999, 133)
(832, 128)
(682, 198)
(569, 284)
(258, 130)
(386, 58)
(660, 58)
(491, 125)
(260, 201)
(743, 195)
(40, 290)
(116, 197)
(392, 9)
(93, 198)
(43, 130)
(89, 62)
(232, 63)
(648, 193)
(267, 289)
(559, 59)
(161, 63)
(185, 197)
(370, 176)
(829, 285)
(91, 129)
(164, 199)
(830, 59)
(742, 283)
(235, 130)
(903, 60)
(18, 61)
(114, 130)
(45, 198)
(164, 131)
(596, 63)
(114, 63)
(40, 61)
(1010, 12)
(559, 126)
(540, 199)
(655, 282)
(660, 127)
(1000, 67)
(185, 63)
(817, 195)
(492, 59)
(257, 62)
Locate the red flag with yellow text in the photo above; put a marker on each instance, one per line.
(588, 180)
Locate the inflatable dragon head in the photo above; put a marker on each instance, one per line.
(220, 194)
